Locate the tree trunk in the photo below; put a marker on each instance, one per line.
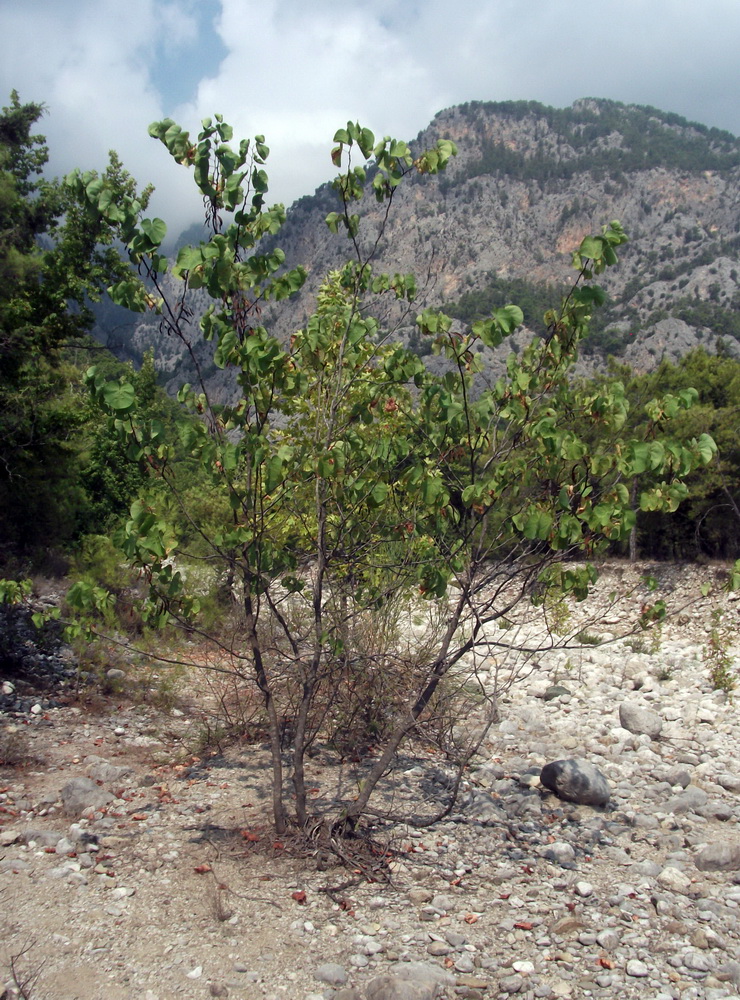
(278, 806)
(437, 671)
(633, 532)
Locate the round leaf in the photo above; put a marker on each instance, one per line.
(119, 397)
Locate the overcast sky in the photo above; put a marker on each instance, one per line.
(296, 70)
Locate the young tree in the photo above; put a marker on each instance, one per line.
(360, 488)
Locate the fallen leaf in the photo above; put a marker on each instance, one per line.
(251, 837)
(299, 897)
(470, 918)
(523, 925)
(606, 963)
(201, 869)
(139, 816)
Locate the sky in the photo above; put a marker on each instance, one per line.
(296, 70)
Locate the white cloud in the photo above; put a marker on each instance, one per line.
(296, 71)
(89, 64)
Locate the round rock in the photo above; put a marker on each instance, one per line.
(718, 858)
(82, 793)
(332, 974)
(576, 781)
(389, 987)
(636, 968)
(639, 720)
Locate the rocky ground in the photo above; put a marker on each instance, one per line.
(128, 871)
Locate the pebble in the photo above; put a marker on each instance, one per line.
(730, 782)
(690, 799)
(674, 880)
(561, 852)
(719, 857)
(636, 968)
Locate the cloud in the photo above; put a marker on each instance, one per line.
(90, 65)
(296, 71)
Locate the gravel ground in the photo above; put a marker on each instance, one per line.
(129, 872)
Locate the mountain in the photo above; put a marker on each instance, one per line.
(529, 182)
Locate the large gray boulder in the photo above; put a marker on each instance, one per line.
(576, 780)
(718, 858)
(80, 794)
(640, 721)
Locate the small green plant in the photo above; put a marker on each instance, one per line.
(163, 687)
(722, 675)
(558, 612)
(637, 645)
(656, 638)
(586, 638)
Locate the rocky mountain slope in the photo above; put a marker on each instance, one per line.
(499, 225)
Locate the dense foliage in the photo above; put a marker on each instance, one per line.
(707, 522)
(55, 256)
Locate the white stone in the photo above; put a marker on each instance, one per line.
(636, 968)
(584, 889)
(524, 968)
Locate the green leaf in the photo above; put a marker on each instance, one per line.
(379, 493)
(431, 490)
(591, 247)
(509, 318)
(154, 229)
(119, 397)
(706, 448)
